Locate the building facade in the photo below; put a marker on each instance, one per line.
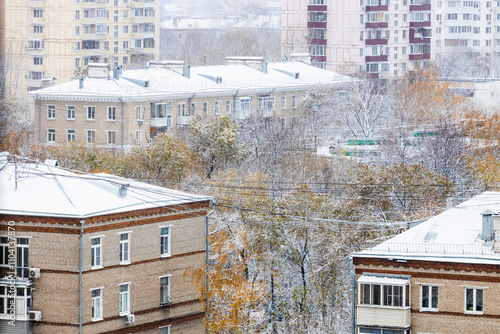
(442, 276)
(381, 37)
(41, 40)
(97, 253)
(118, 109)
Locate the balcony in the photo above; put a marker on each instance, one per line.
(372, 59)
(317, 41)
(318, 59)
(376, 41)
(418, 8)
(266, 113)
(312, 24)
(380, 8)
(183, 120)
(375, 25)
(420, 24)
(316, 8)
(383, 316)
(243, 114)
(423, 56)
(160, 122)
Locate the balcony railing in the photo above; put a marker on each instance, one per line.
(383, 316)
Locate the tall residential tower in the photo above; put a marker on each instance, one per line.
(382, 37)
(42, 41)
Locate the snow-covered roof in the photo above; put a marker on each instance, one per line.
(454, 236)
(36, 189)
(166, 83)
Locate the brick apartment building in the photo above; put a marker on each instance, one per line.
(442, 276)
(124, 108)
(97, 253)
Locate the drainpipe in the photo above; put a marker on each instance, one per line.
(82, 222)
(353, 298)
(121, 100)
(39, 118)
(234, 101)
(206, 259)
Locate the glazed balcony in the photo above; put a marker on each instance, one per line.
(422, 56)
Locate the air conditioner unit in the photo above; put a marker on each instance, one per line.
(140, 121)
(35, 315)
(34, 273)
(129, 318)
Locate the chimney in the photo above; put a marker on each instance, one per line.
(187, 71)
(255, 62)
(116, 72)
(264, 68)
(81, 83)
(99, 70)
(488, 225)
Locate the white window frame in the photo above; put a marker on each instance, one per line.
(474, 301)
(283, 102)
(70, 136)
(88, 133)
(51, 135)
(70, 112)
(124, 253)
(228, 106)
(138, 113)
(96, 252)
(164, 329)
(138, 136)
(51, 111)
(217, 107)
(96, 303)
(430, 295)
(166, 252)
(111, 113)
(124, 299)
(90, 111)
(169, 283)
(294, 101)
(111, 137)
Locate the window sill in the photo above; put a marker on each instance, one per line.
(125, 263)
(122, 314)
(96, 267)
(97, 319)
(473, 312)
(70, 119)
(165, 255)
(428, 310)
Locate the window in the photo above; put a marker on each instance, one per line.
(90, 136)
(111, 113)
(51, 135)
(283, 102)
(124, 248)
(266, 102)
(77, 15)
(429, 297)
(96, 304)
(165, 240)
(96, 252)
(228, 106)
(164, 329)
(217, 107)
(181, 109)
(51, 112)
(124, 298)
(474, 299)
(111, 135)
(193, 108)
(90, 113)
(165, 291)
(36, 44)
(294, 101)
(37, 12)
(4, 251)
(37, 29)
(384, 294)
(21, 259)
(70, 134)
(205, 108)
(138, 136)
(37, 60)
(138, 113)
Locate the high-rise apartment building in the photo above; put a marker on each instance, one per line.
(382, 37)
(46, 40)
(470, 26)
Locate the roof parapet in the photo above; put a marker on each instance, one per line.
(98, 70)
(254, 62)
(174, 65)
